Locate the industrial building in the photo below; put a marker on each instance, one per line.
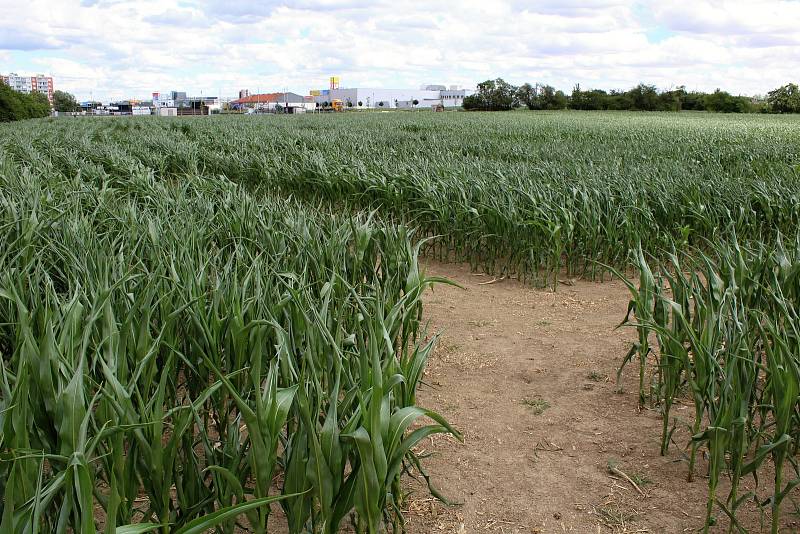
(164, 105)
(178, 99)
(184, 105)
(429, 96)
(30, 84)
(273, 102)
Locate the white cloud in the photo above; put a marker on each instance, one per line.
(730, 17)
(122, 48)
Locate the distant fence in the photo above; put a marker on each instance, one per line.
(192, 111)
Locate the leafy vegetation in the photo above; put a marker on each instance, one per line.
(648, 98)
(541, 97)
(784, 99)
(499, 95)
(199, 315)
(728, 331)
(63, 101)
(529, 195)
(179, 353)
(493, 95)
(16, 106)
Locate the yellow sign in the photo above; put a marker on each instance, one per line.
(334, 82)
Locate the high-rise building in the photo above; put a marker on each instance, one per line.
(244, 93)
(30, 84)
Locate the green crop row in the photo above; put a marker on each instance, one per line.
(727, 326)
(522, 194)
(180, 354)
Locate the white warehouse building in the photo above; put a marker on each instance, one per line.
(376, 98)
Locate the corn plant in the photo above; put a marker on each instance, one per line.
(731, 338)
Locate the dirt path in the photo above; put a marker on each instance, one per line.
(528, 376)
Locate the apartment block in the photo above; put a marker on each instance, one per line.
(30, 84)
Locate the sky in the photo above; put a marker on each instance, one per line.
(119, 49)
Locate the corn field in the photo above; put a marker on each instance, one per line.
(217, 322)
(179, 354)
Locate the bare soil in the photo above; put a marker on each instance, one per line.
(528, 376)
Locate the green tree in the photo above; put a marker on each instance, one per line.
(595, 99)
(644, 97)
(724, 102)
(576, 100)
(672, 100)
(16, 106)
(472, 102)
(493, 95)
(588, 100)
(10, 106)
(693, 101)
(552, 99)
(63, 101)
(528, 96)
(619, 100)
(784, 99)
(504, 96)
(39, 106)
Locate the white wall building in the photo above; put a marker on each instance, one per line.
(375, 98)
(454, 97)
(289, 107)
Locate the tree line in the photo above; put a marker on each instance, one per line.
(15, 106)
(499, 95)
